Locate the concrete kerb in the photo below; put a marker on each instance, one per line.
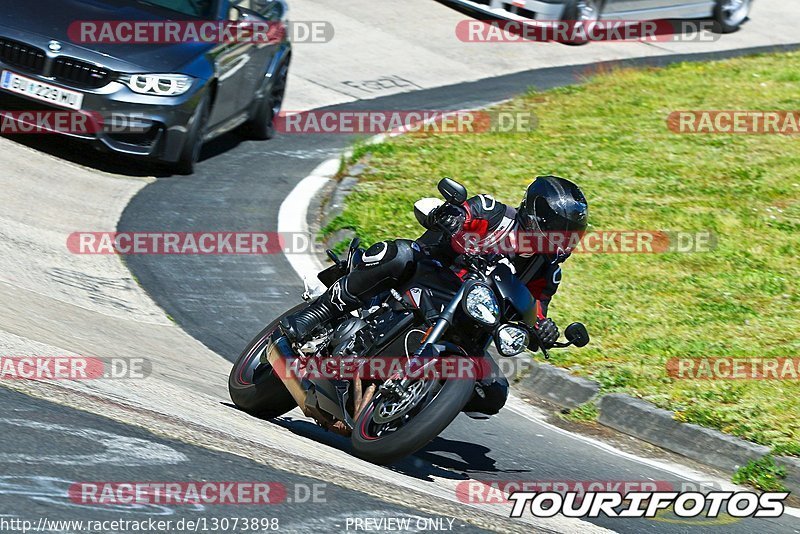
(557, 386)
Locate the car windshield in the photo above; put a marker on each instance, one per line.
(193, 8)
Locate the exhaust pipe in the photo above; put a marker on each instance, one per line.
(283, 359)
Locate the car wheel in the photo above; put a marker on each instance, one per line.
(262, 125)
(190, 154)
(582, 12)
(730, 14)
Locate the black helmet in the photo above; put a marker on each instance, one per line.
(553, 204)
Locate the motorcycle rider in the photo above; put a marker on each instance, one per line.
(551, 207)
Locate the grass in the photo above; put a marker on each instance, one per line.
(763, 474)
(585, 413)
(610, 135)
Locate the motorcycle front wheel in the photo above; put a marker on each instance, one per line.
(381, 439)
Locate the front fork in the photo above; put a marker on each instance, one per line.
(428, 347)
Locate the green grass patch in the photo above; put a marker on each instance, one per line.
(585, 413)
(763, 474)
(610, 135)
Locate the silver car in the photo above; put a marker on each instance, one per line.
(728, 15)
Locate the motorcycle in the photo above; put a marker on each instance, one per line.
(438, 320)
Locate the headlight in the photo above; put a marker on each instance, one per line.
(511, 339)
(481, 304)
(158, 84)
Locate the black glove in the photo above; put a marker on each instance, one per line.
(547, 332)
(447, 217)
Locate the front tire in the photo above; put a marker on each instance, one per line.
(416, 433)
(190, 153)
(253, 385)
(730, 14)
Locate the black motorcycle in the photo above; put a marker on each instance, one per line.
(437, 321)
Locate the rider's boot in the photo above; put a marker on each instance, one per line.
(336, 302)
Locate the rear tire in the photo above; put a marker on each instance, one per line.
(582, 11)
(418, 432)
(253, 386)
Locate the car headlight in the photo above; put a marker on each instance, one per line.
(511, 339)
(481, 304)
(158, 84)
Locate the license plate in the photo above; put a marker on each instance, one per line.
(40, 91)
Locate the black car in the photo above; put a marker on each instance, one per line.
(160, 98)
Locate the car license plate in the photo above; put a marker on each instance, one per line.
(40, 91)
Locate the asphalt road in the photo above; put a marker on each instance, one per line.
(47, 449)
(224, 300)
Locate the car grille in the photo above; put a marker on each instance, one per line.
(65, 69)
(20, 55)
(145, 139)
(80, 73)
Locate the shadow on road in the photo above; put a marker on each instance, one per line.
(85, 154)
(441, 458)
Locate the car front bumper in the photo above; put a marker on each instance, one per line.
(132, 124)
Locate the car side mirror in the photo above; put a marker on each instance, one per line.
(577, 335)
(452, 191)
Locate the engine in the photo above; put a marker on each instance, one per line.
(351, 338)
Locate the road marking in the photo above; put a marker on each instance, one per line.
(293, 218)
(119, 450)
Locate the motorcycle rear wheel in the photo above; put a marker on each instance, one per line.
(253, 385)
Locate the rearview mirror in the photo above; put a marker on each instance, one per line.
(353, 254)
(577, 335)
(452, 191)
